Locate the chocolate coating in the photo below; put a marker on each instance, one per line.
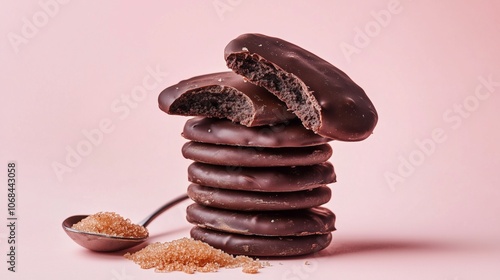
(318, 220)
(262, 179)
(258, 201)
(224, 95)
(262, 246)
(322, 96)
(226, 132)
(255, 156)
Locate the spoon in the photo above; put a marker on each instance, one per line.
(108, 243)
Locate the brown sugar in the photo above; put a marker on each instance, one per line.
(110, 223)
(189, 255)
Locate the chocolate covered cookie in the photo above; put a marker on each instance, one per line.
(258, 201)
(226, 132)
(255, 156)
(317, 220)
(224, 95)
(262, 246)
(321, 95)
(262, 179)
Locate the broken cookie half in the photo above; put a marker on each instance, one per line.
(224, 95)
(325, 99)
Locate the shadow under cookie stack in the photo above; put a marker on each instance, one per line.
(259, 146)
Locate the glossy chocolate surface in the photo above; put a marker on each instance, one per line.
(258, 201)
(262, 179)
(317, 220)
(341, 108)
(255, 156)
(262, 246)
(226, 132)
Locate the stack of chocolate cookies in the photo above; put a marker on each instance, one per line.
(259, 142)
(259, 200)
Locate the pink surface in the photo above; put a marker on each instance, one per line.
(416, 200)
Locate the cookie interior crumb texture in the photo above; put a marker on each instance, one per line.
(287, 87)
(216, 101)
(110, 223)
(189, 255)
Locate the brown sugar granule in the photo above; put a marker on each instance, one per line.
(189, 255)
(110, 223)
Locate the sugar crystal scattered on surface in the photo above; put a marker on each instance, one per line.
(190, 256)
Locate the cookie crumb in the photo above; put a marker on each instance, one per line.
(110, 223)
(190, 256)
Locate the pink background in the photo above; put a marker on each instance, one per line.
(430, 67)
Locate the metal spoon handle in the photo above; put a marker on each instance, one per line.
(162, 209)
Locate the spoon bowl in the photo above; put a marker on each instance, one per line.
(96, 241)
(109, 243)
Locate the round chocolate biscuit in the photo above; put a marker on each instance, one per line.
(255, 156)
(321, 95)
(316, 220)
(224, 95)
(258, 201)
(262, 179)
(226, 132)
(262, 246)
